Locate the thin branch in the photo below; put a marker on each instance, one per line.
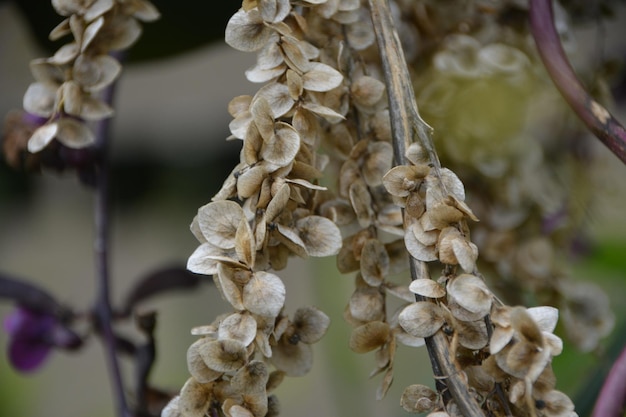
(612, 398)
(103, 307)
(407, 125)
(593, 114)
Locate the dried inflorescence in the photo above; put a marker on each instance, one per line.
(68, 91)
(325, 90)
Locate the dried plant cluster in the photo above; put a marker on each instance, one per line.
(68, 90)
(336, 159)
(323, 107)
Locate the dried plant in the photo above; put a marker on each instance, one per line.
(341, 84)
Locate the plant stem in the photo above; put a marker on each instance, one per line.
(407, 125)
(103, 307)
(597, 119)
(612, 398)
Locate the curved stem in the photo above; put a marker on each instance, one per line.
(612, 398)
(407, 125)
(597, 118)
(103, 307)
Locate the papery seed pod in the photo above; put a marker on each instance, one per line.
(238, 326)
(374, 262)
(369, 336)
(251, 378)
(194, 399)
(320, 236)
(418, 398)
(310, 324)
(224, 355)
(367, 304)
(246, 31)
(264, 294)
(421, 319)
(292, 359)
(427, 288)
(196, 365)
(471, 293)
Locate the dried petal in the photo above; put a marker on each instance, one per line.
(320, 236)
(42, 137)
(321, 77)
(246, 31)
(283, 146)
(219, 221)
(264, 294)
(224, 355)
(251, 379)
(418, 399)
(471, 293)
(194, 399)
(310, 324)
(427, 288)
(292, 359)
(369, 336)
(367, 91)
(421, 319)
(374, 262)
(367, 305)
(196, 365)
(238, 326)
(40, 98)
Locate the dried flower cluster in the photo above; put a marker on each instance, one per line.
(67, 92)
(324, 90)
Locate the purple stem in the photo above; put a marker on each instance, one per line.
(612, 398)
(594, 116)
(103, 307)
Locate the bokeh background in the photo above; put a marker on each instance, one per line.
(169, 156)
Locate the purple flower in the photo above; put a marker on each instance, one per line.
(33, 336)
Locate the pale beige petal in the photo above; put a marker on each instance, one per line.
(427, 288)
(264, 294)
(421, 319)
(245, 31)
(321, 77)
(219, 221)
(369, 336)
(320, 236)
(238, 326)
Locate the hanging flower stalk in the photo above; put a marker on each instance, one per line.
(328, 87)
(68, 91)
